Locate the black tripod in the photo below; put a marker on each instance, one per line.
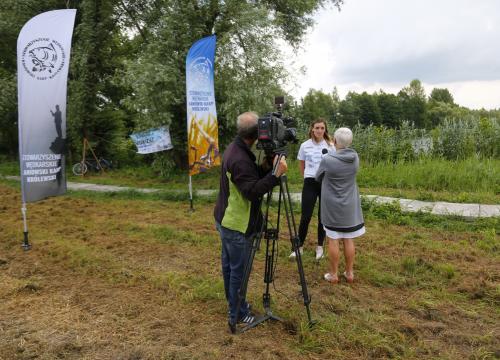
(271, 235)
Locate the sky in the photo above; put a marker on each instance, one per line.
(384, 44)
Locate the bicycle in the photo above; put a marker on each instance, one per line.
(81, 168)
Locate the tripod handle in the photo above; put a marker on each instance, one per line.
(277, 163)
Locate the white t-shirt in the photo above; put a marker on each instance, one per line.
(312, 153)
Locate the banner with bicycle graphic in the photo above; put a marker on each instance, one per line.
(203, 139)
(43, 52)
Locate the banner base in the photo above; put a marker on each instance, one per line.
(26, 245)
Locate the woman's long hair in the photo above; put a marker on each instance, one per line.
(326, 136)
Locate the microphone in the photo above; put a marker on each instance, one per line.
(324, 151)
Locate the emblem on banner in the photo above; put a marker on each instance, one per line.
(43, 58)
(201, 70)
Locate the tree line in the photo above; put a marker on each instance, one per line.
(411, 105)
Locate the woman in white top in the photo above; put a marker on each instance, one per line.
(309, 156)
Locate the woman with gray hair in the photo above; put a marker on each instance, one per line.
(341, 213)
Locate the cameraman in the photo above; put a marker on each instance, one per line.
(237, 213)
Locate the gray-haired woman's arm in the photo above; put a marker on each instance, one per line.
(321, 171)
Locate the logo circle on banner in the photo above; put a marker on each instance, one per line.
(43, 58)
(201, 68)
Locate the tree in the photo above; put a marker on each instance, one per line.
(413, 103)
(369, 112)
(128, 58)
(8, 113)
(349, 111)
(390, 109)
(318, 104)
(247, 69)
(94, 109)
(441, 95)
(438, 111)
(441, 106)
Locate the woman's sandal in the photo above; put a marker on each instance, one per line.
(350, 280)
(333, 279)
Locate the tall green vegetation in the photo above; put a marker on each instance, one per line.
(463, 178)
(248, 72)
(452, 140)
(128, 58)
(94, 102)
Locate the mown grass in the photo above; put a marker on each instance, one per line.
(425, 285)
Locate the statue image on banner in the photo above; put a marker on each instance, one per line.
(58, 146)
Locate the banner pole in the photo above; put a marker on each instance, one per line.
(191, 194)
(26, 245)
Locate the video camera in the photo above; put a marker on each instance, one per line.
(274, 130)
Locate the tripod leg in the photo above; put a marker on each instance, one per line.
(271, 237)
(295, 240)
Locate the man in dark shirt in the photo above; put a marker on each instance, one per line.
(237, 214)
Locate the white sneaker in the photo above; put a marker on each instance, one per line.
(319, 252)
(293, 255)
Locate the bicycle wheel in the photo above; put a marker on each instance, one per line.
(79, 168)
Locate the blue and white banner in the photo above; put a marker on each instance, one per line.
(152, 140)
(203, 139)
(43, 49)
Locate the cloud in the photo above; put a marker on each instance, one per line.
(433, 67)
(388, 42)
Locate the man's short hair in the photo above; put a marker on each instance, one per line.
(343, 137)
(247, 125)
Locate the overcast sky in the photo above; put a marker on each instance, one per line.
(383, 44)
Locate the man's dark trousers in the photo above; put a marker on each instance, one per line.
(235, 251)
